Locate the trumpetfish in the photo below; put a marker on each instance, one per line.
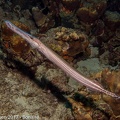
(59, 61)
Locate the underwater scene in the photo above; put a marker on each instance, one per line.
(59, 59)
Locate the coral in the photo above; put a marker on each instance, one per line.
(111, 80)
(71, 5)
(87, 16)
(76, 42)
(104, 112)
(44, 22)
(80, 111)
(67, 42)
(39, 17)
(14, 42)
(112, 47)
(91, 11)
(16, 47)
(112, 20)
(105, 35)
(87, 109)
(100, 107)
(110, 40)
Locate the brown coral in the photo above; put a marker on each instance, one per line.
(72, 43)
(80, 111)
(44, 22)
(111, 79)
(86, 109)
(16, 47)
(112, 20)
(87, 16)
(91, 11)
(12, 42)
(71, 5)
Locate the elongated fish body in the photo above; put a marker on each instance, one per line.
(56, 59)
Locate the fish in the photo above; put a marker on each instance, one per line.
(59, 61)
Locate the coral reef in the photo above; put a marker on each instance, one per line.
(71, 28)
